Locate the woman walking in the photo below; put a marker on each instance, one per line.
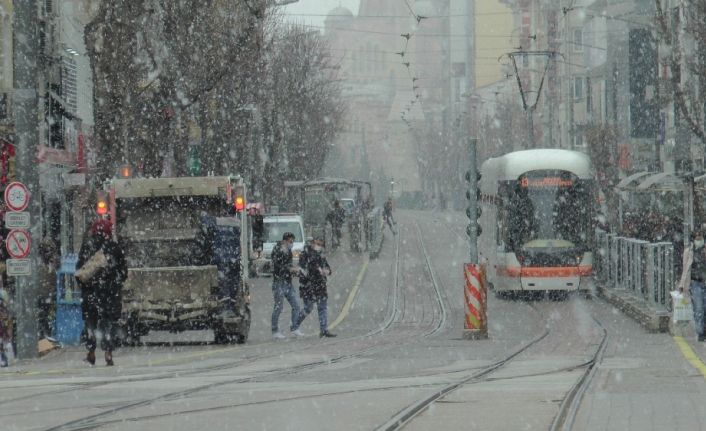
(101, 272)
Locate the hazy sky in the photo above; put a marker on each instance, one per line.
(307, 9)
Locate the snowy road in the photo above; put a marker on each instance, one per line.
(399, 343)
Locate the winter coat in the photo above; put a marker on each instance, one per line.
(303, 264)
(102, 294)
(318, 270)
(282, 262)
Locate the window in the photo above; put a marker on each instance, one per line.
(578, 40)
(578, 87)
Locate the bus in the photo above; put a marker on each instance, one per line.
(537, 221)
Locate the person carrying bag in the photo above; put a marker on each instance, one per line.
(102, 269)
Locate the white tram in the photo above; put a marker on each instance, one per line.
(537, 221)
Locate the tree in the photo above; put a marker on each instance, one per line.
(259, 92)
(678, 26)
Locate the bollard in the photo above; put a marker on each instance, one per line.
(475, 323)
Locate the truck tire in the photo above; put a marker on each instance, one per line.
(242, 336)
(220, 336)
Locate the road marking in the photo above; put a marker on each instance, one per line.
(690, 356)
(351, 296)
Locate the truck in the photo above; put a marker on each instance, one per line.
(168, 287)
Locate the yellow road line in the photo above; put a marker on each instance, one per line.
(351, 296)
(690, 356)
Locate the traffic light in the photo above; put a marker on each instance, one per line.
(239, 201)
(473, 218)
(101, 204)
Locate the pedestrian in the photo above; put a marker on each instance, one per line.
(336, 217)
(102, 269)
(313, 290)
(218, 243)
(282, 270)
(694, 272)
(387, 214)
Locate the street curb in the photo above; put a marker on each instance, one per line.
(650, 319)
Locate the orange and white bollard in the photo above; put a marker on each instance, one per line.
(475, 323)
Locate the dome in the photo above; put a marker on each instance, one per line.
(425, 8)
(337, 18)
(340, 12)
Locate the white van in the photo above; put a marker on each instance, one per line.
(274, 227)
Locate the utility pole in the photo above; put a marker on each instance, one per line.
(26, 61)
(466, 134)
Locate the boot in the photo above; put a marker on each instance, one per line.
(326, 334)
(109, 359)
(91, 357)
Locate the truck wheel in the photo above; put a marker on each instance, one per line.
(220, 336)
(129, 334)
(242, 336)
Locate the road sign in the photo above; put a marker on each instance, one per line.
(16, 196)
(18, 243)
(18, 267)
(17, 219)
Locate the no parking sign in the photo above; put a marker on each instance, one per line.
(18, 243)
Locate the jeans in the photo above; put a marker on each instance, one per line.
(321, 308)
(697, 301)
(282, 289)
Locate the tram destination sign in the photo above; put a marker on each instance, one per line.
(17, 219)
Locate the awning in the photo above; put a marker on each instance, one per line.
(662, 181)
(651, 181)
(628, 183)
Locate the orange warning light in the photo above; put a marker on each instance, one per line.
(239, 203)
(101, 208)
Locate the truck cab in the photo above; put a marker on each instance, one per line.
(275, 225)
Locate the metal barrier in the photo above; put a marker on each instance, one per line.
(373, 231)
(643, 269)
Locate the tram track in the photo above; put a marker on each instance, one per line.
(394, 326)
(570, 403)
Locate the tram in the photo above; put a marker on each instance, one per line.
(537, 221)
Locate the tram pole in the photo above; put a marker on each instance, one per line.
(475, 298)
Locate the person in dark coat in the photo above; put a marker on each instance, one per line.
(387, 214)
(282, 270)
(336, 216)
(101, 294)
(315, 270)
(218, 243)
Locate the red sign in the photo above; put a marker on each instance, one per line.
(16, 196)
(18, 243)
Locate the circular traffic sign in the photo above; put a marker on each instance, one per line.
(16, 196)
(18, 243)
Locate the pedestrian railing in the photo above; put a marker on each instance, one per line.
(645, 270)
(373, 231)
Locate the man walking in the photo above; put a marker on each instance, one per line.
(387, 214)
(313, 285)
(282, 270)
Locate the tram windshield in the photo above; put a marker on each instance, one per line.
(547, 217)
